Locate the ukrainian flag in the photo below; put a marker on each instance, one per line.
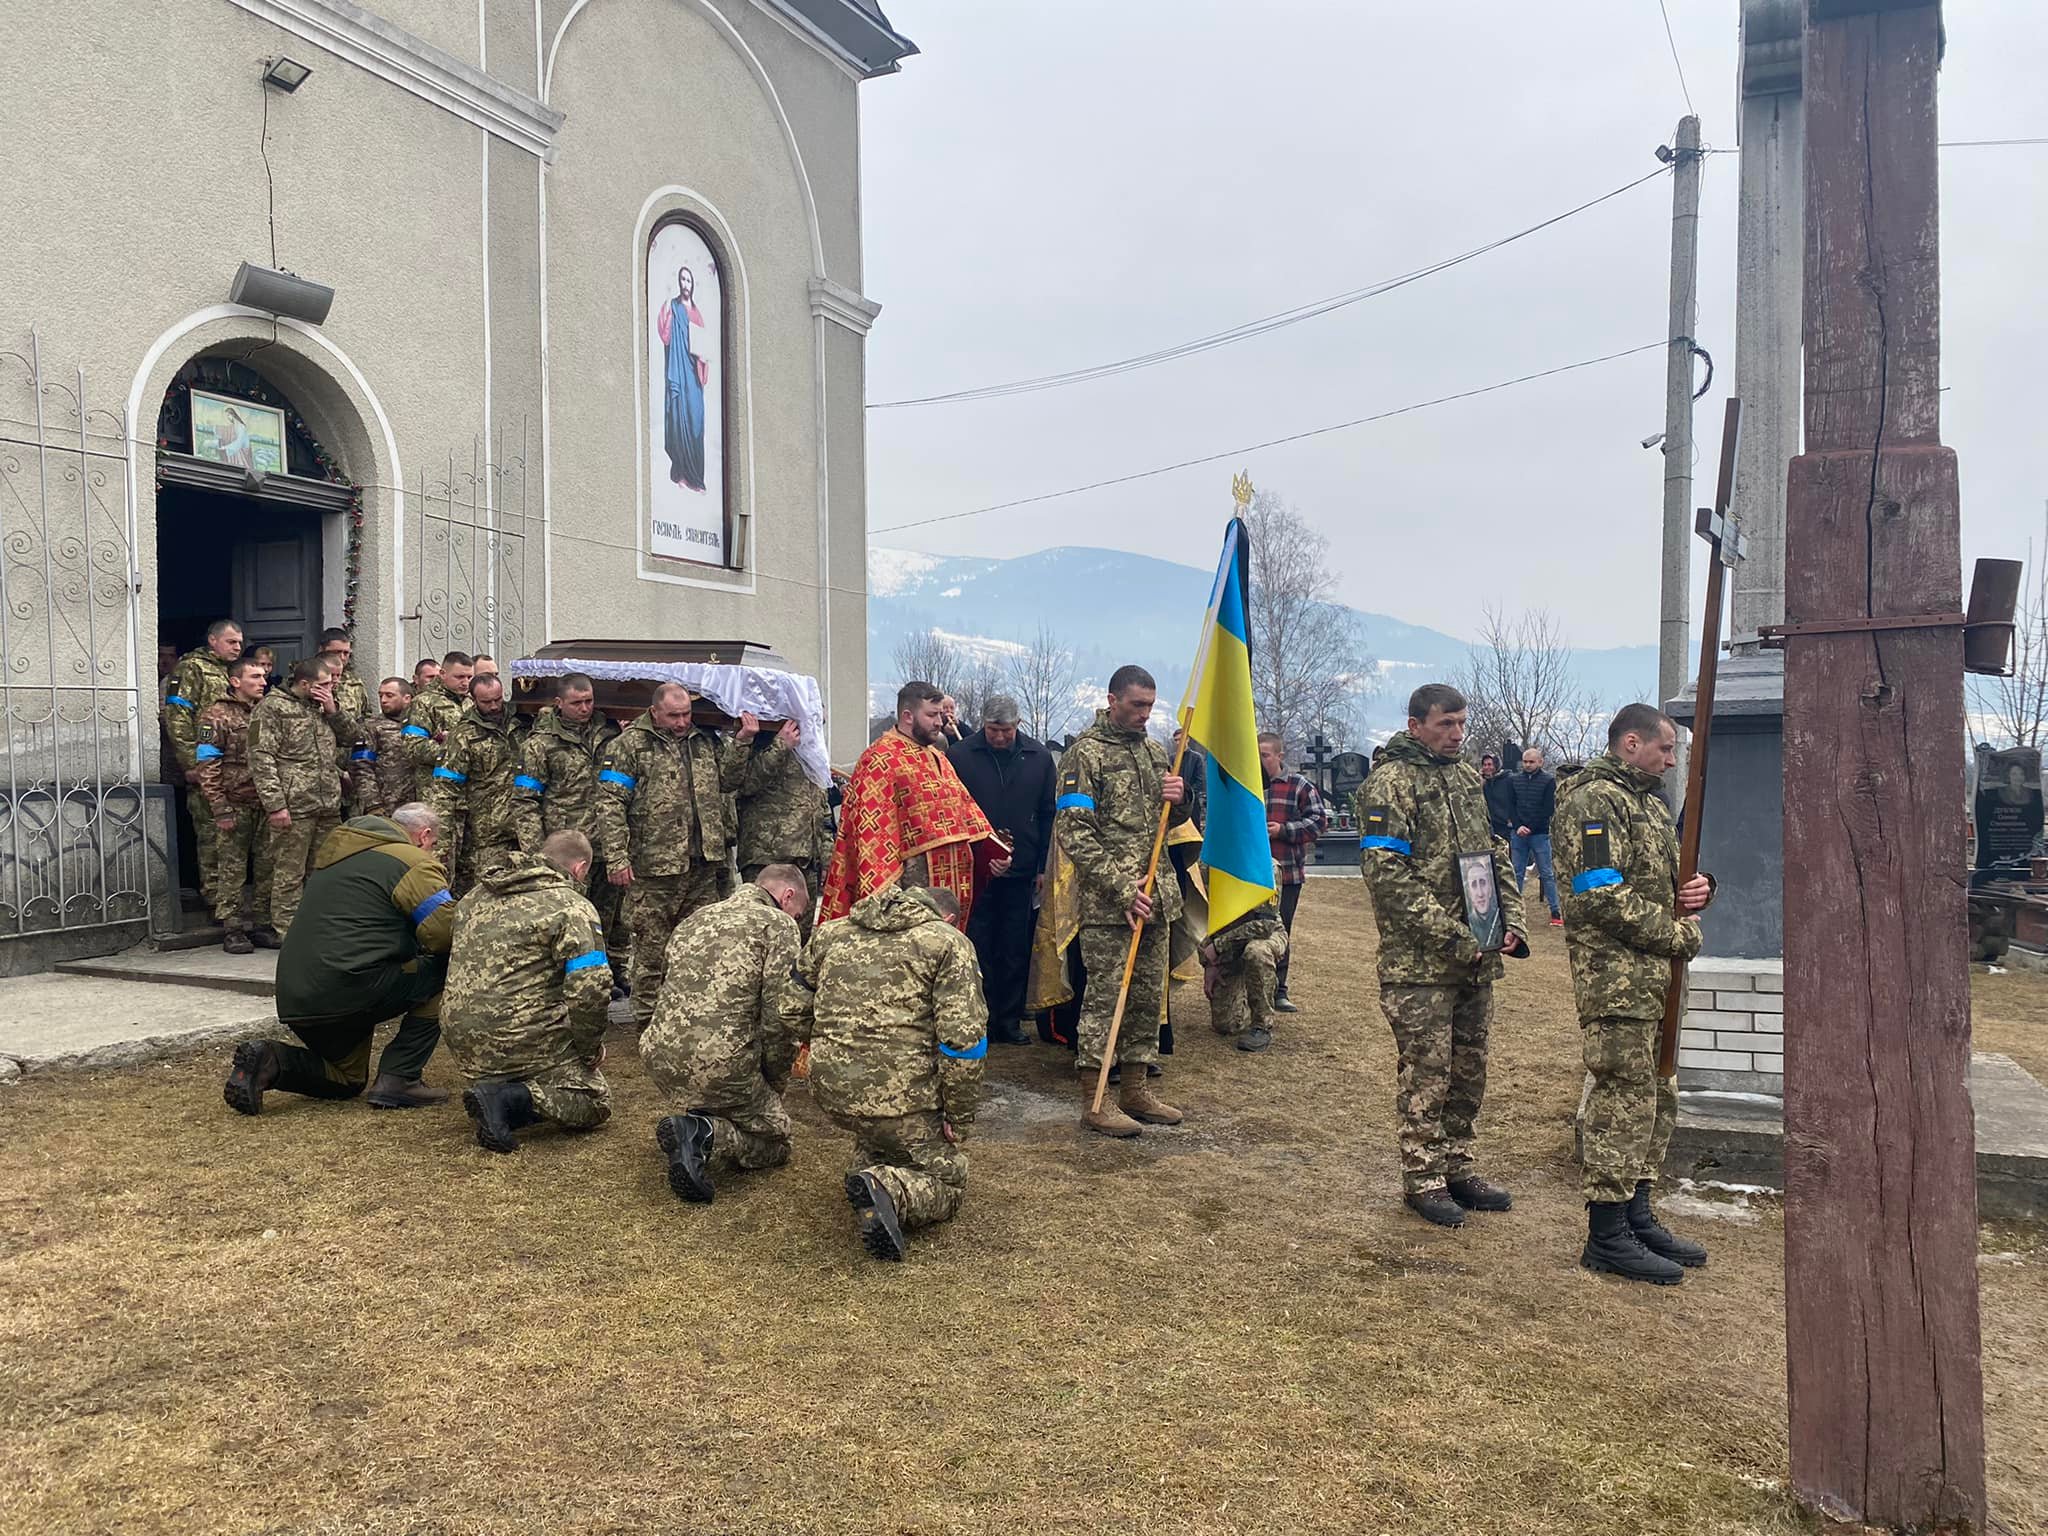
(1224, 722)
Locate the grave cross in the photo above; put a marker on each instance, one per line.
(1319, 755)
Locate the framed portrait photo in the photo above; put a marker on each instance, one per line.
(1483, 914)
(238, 432)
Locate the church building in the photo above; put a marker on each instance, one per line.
(464, 326)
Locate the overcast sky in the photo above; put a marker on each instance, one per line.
(1067, 182)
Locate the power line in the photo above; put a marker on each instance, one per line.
(1274, 442)
(1260, 327)
(1682, 86)
(1984, 143)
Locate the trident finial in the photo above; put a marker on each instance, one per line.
(1241, 489)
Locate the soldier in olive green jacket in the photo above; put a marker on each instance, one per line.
(1114, 781)
(1422, 821)
(200, 680)
(472, 786)
(890, 999)
(528, 988)
(556, 790)
(1626, 920)
(435, 708)
(292, 762)
(782, 817)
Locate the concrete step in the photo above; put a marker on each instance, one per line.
(1744, 1142)
(51, 1020)
(214, 968)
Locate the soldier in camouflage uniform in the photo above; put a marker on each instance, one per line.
(890, 1000)
(350, 720)
(292, 761)
(1626, 920)
(1241, 976)
(1114, 780)
(1421, 810)
(720, 1044)
(556, 789)
(663, 828)
(528, 986)
(782, 818)
(472, 788)
(436, 706)
(201, 678)
(238, 829)
(384, 778)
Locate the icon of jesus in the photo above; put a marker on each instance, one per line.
(688, 374)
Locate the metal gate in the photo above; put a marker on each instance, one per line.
(469, 569)
(74, 846)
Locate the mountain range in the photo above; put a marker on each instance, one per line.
(1110, 607)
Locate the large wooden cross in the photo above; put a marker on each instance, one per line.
(1881, 1325)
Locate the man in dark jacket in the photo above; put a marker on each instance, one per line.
(1500, 798)
(370, 943)
(1010, 777)
(1535, 802)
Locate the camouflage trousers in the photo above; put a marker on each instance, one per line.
(1625, 1127)
(1441, 1034)
(1245, 984)
(749, 1126)
(1103, 950)
(654, 904)
(925, 1174)
(291, 860)
(577, 1098)
(752, 872)
(228, 870)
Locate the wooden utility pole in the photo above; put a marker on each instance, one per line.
(1882, 1351)
(1673, 625)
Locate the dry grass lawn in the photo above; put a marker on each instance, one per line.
(328, 1320)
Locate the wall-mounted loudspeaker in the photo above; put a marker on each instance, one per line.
(281, 293)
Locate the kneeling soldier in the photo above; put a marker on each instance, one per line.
(720, 1043)
(528, 987)
(1626, 918)
(890, 999)
(1241, 977)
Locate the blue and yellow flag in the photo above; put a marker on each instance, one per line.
(1224, 722)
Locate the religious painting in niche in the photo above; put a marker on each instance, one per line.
(237, 432)
(2008, 809)
(685, 341)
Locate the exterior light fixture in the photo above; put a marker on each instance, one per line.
(285, 74)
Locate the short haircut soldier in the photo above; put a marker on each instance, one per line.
(490, 681)
(1645, 720)
(782, 877)
(1434, 696)
(458, 659)
(246, 664)
(308, 669)
(1125, 678)
(220, 627)
(329, 636)
(566, 848)
(573, 682)
(402, 684)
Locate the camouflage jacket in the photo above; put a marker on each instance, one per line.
(720, 1022)
(472, 784)
(662, 799)
(1416, 814)
(1230, 945)
(1617, 862)
(200, 681)
(890, 998)
(528, 984)
(223, 753)
(434, 713)
(291, 756)
(1107, 816)
(556, 789)
(384, 777)
(781, 812)
(351, 710)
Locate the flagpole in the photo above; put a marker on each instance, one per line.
(1242, 487)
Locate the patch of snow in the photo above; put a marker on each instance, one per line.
(950, 592)
(981, 647)
(1735, 1213)
(893, 572)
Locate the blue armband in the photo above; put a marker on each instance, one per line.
(431, 905)
(206, 752)
(979, 1050)
(1073, 803)
(363, 755)
(1399, 845)
(625, 781)
(181, 703)
(442, 771)
(418, 731)
(1595, 879)
(583, 962)
(521, 781)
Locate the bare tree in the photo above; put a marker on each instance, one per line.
(979, 682)
(2012, 711)
(1519, 687)
(1046, 685)
(1308, 651)
(925, 657)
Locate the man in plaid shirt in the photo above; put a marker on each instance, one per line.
(1295, 818)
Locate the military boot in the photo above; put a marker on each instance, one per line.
(1653, 1235)
(1436, 1207)
(1136, 1099)
(1108, 1120)
(874, 1210)
(1612, 1249)
(236, 941)
(263, 936)
(390, 1091)
(1476, 1194)
(1257, 1038)
(685, 1140)
(255, 1069)
(500, 1107)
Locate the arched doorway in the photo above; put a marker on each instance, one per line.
(245, 494)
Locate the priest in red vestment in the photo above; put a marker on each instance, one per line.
(906, 818)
